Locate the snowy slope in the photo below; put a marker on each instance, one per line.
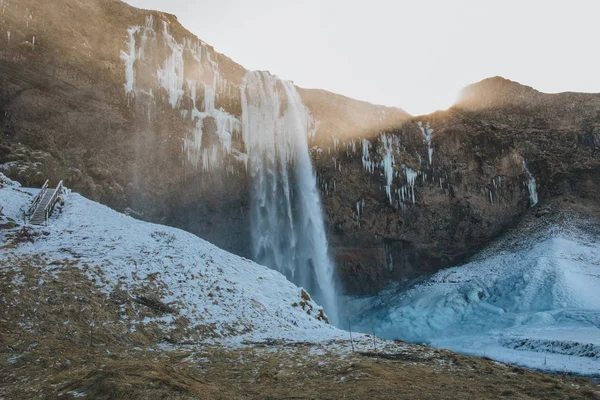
(210, 287)
(537, 305)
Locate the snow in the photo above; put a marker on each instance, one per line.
(537, 306)
(125, 253)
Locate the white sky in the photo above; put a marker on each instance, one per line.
(414, 54)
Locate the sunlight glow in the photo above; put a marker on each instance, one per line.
(416, 55)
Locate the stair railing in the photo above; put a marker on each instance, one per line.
(53, 200)
(38, 198)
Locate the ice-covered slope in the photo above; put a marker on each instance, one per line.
(227, 297)
(536, 304)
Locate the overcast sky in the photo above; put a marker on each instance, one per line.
(412, 54)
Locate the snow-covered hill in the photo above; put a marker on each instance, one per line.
(226, 297)
(534, 301)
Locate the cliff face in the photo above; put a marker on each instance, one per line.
(437, 189)
(132, 110)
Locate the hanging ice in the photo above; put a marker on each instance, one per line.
(366, 158)
(129, 59)
(427, 133)
(411, 176)
(360, 206)
(288, 232)
(387, 164)
(170, 75)
(142, 44)
(531, 185)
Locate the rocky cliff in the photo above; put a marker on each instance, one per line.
(429, 193)
(134, 111)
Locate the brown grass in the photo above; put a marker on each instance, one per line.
(42, 357)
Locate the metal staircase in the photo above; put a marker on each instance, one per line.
(43, 204)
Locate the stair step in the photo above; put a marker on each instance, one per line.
(38, 216)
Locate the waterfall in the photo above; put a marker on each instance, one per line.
(288, 232)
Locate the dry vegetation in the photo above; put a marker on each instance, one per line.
(61, 338)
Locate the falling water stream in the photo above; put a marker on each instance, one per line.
(288, 232)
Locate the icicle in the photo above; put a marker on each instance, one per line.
(170, 76)
(192, 86)
(531, 185)
(388, 164)
(129, 59)
(366, 157)
(227, 125)
(411, 176)
(427, 133)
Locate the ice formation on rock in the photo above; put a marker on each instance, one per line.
(170, 75)
(427, 133)
(129, 59)
(387, 164)
(288, 231)
(531, 185)
(411, 176)
(368, 165)
(360, 206)
(143, 44)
